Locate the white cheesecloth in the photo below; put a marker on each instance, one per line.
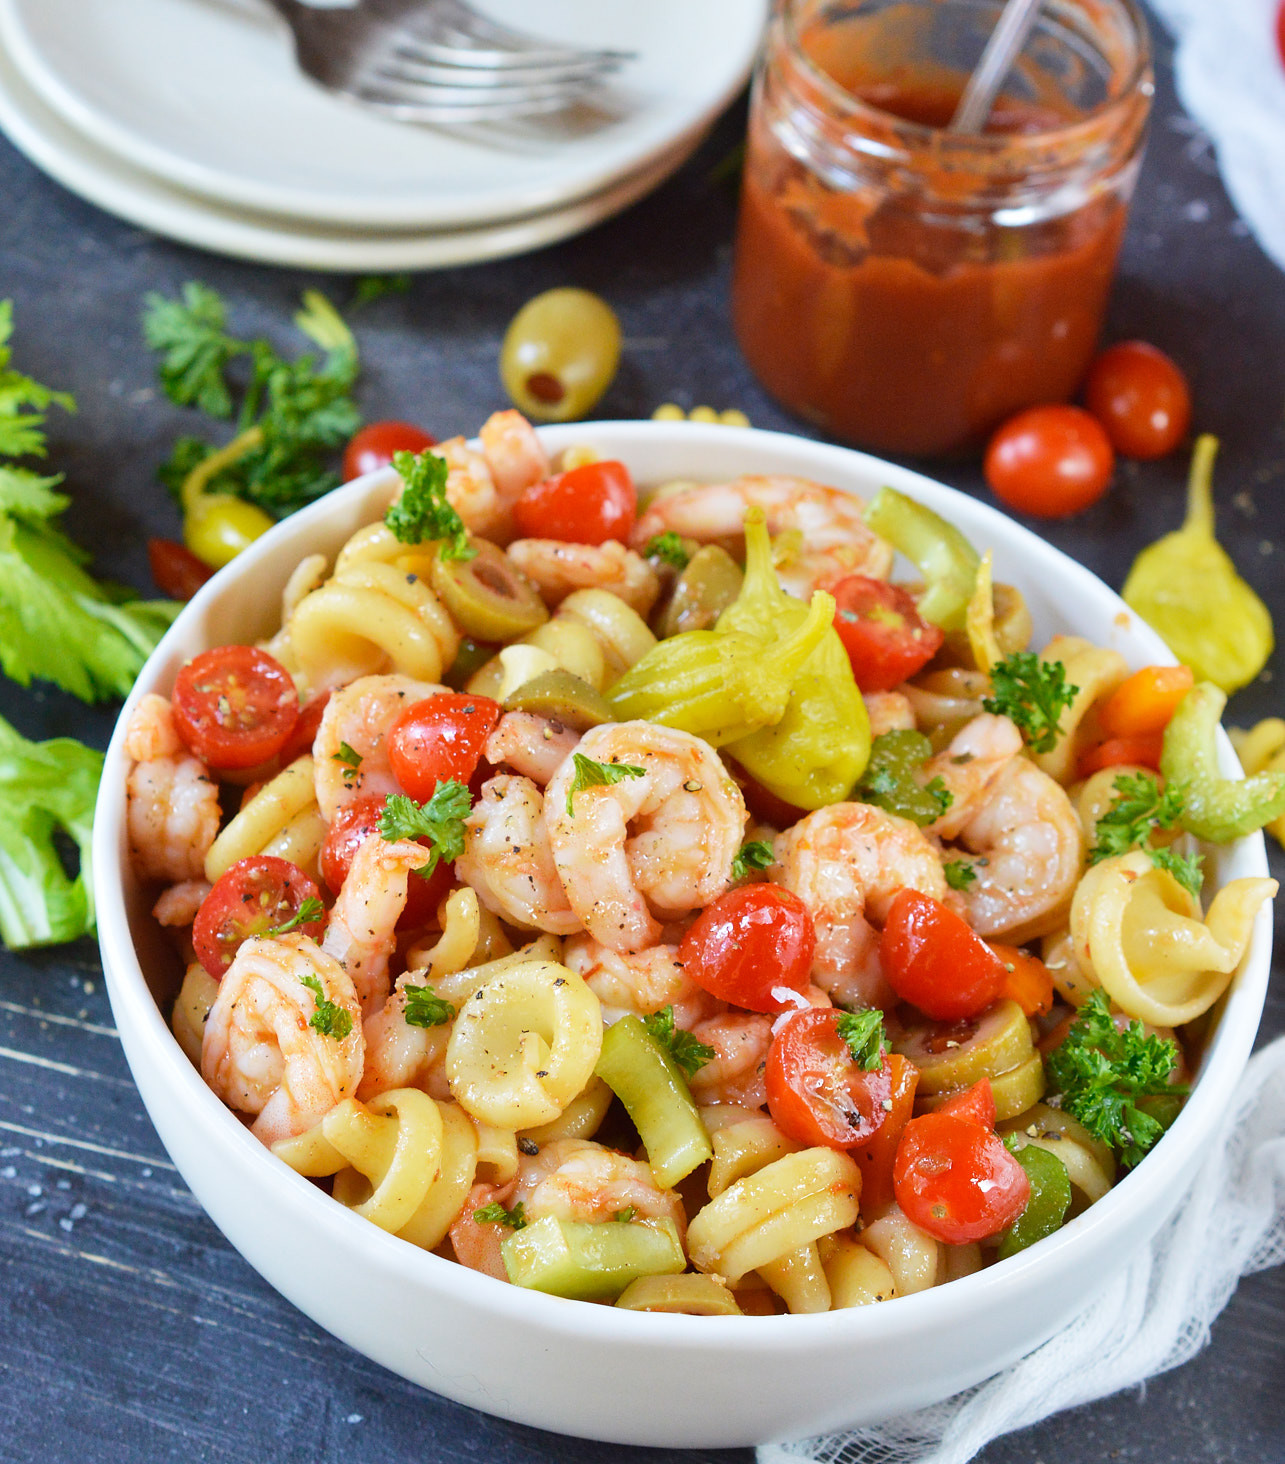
(1158, 1318)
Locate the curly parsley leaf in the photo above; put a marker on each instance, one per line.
(754, 854)
(440, 821)
(1138, 809)
(960, 874)
(328, 1018)
(623, 1217)
(422, 513)
(669, 549)
(590, 774)
(690, 1053)
(1185, 868)
(863, 1032)
(1032, 694)
(311, 909)
(496, 1214)
(424, 1008)
(1106, 1076)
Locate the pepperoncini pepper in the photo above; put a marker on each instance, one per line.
(1186, 588)
(819, 748)
(945, 558)
(1215, 808)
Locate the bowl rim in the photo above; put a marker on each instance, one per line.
(1142, 1196)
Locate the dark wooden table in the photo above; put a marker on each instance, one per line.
(129, 1329)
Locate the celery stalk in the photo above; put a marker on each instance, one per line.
(590, 1260)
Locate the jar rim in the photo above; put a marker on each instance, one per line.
(923, 134)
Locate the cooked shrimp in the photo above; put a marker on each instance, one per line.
(834, 539)
(656, 843)
(482, 487)
(968, 767)
(530, 745)
(361, 927)
(507, 858)
(556, 569)
(178, 905)
(151, 731)
(1031, 853)
(846, 862)
(173, 817)
(636, 984)
(400, 1055)
(261, 1054)
(735, 1073)
(889, 711)
(360, 715)
(513, 453)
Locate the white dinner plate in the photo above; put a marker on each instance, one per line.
(143, 199)
(205, 94)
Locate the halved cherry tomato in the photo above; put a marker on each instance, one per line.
(1146, 701)
(440, 738)
(876, 1155)
(817, 1092)
(355, 822)
(933, 960)
(1141, 398)
(1026, 979)
(883, 633)
(373, 446)
(956, 1180)
(305, 729)
(976, 1103)
(1049, 461)
(749, 944)
(1143, 751)
(254, 898)
(234, 706)
(177, 571)
(586, 505)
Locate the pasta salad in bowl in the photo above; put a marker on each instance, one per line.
(583, 891)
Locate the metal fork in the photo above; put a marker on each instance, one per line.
(439, 60)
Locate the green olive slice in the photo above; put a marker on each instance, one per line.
(561, 697)
(1014, 1091)
(690, 1293)
(471, 656)
(488, 597)
(952, 1055)
(708, 585)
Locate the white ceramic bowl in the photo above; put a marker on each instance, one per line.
(625, 1376)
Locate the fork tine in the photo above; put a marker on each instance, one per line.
(456, 34)
(441, 53)
(429, 66)
(415, 103)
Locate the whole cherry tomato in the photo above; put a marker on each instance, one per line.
(1049, 461)
(876, 1155)
(355, 822)
(883, 633)
(234, 706)
(440, 738)
(256, 897)
(1140, 397)
(933, 959)
(750, 944)
(586, 505)
(956, 1180)
(372, 447)
(177, 571)
(817, 1092)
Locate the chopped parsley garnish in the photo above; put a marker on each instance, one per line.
(422, 513)
(440, 821)
(292, 415)
(348, 755)
(1137, 810)
(690, 1053)
(892, 779)
(1106, 1076)
(328, 1018)
(424, 1008)
(496, 1214)
(623, 1217)
(590, 774)
(960, 874)
(1032, 694)
(668, 547)
(754, 854)
(863, 1032)
(311, 909)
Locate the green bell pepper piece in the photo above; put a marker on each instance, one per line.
(590, 1260)
(1050, 1197)
(945, 558)
(889, 780)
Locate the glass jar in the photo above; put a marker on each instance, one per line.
(905, 287)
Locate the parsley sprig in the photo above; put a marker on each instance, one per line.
(668, 548)
(1032, 694)
(424, 1008)
(1138, 809)
(960, 874)
(440, 821)
(496, 1214)
(863, 1032)
(1105, 1077)
(690, 1053)
(590, 774)
(753, 854)
(328, 1018)
(422, 513)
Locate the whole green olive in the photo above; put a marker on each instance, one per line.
(560, 354)
(219, 525)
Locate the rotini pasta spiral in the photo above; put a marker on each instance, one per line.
(281, 819)
(1096, 671)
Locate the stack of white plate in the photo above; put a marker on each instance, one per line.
(190, 118)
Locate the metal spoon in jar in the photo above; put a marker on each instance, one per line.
(1007, 40)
